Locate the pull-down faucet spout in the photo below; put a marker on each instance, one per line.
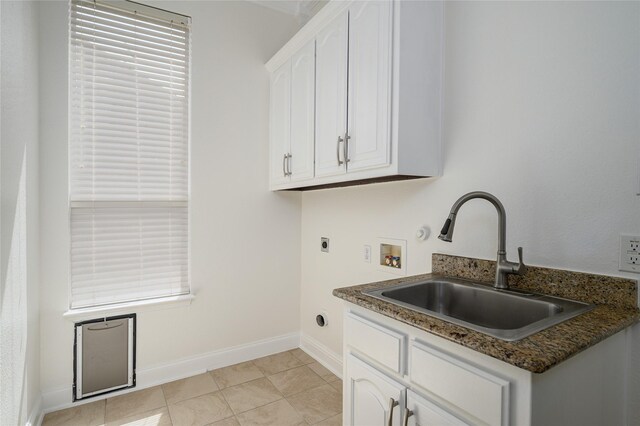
(503, 266)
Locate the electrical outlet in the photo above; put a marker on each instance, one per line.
(367, 254)
(630, 253)
(324, 244)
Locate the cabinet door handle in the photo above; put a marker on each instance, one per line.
(340, 162)
(284, 167)
(346, 147)
(405, 418)
(289, 164)
(392, 403)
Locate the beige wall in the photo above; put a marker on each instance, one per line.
(542, 109)
(19, 315)
(245, 240)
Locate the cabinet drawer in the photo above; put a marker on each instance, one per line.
(379, 343)
(477, 393)
(426, 413)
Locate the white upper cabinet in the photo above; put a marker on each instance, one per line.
(331, 96)
(369, 117)
(377, 110)
(279, 126)
(302, 113)
(292, 117)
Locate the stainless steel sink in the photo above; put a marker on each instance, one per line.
(506, 314)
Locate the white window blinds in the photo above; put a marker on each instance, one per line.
(128, 152)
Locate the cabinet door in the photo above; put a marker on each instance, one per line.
(427, 413)
(369, 109)
(302, 112)
(279, 126)
(331, 96)
(369, 393)
(477, 392)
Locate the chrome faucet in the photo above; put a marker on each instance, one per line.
(503, 266)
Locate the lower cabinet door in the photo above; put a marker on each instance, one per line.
(371, 396)
(427, 413)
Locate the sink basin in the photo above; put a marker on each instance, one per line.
(506, 314)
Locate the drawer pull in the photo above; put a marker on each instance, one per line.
(392, 404)
(340, 140)
(346, 147)
(284, 167)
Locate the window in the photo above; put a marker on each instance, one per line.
(128, 152)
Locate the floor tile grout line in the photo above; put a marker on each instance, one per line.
(166, 404)
(301, 415)
(199, 396)
(306, 390)
(244, 362)
(227, 402)
(310, 389)
(286, 369)
(258, 406)
(252, 361)
(273, 402)
(293, 368)
(214, 381)
(233, 411)
(317, 423)
(235, 414)
(249, 381)
(305, 362)
(169, 411)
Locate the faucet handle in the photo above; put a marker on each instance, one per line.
(521, 267)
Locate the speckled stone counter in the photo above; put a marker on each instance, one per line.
(615, 300)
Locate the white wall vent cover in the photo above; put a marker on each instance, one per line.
(104, 356)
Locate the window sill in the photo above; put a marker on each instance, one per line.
(81, 314)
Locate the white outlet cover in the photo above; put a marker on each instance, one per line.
(366, 254)
(324, 244)
(630, 253)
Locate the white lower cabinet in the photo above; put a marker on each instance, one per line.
(374, 398)
(398, 375)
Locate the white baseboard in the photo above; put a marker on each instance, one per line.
(36, 414)
(322, 354)
(57, 399)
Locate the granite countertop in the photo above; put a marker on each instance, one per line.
(615, 300)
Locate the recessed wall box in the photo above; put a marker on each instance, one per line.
(392, 255)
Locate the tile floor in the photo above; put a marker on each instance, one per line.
(288, 388)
